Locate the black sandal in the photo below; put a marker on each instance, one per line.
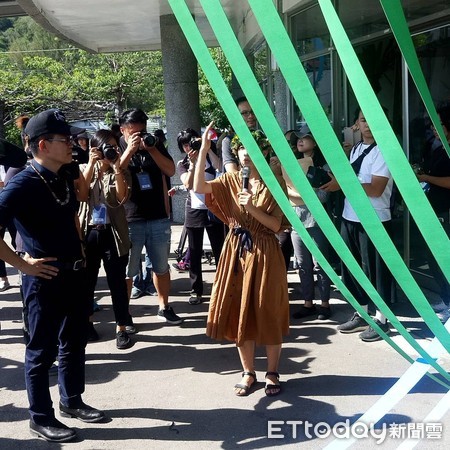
(272, 389)
(243, 386)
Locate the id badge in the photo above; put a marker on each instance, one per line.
(99, 214)
(144, 181)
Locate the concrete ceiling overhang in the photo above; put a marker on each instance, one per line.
(10, 9)
(114, 25)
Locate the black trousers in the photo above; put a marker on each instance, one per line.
(57, 312)
(370, 261)
(100, 246)
(435, 270)
(216, 234)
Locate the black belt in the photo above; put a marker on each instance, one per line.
(100, 227)
(245, 244)
(74, 265)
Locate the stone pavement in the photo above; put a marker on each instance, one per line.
(174, 386)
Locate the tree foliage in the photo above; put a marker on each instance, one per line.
(39, 71)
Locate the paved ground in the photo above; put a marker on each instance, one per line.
(174, 386)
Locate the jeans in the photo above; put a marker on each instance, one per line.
(306, 265)
(154, 235)
(143, 281)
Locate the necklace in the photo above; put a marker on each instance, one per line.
(60, 202)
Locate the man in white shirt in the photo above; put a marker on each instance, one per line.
(376, 180)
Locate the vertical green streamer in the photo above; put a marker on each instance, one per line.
(202, 54)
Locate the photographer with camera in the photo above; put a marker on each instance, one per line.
(148, 208)
(311, 159)
(105, 228)
(197, 218)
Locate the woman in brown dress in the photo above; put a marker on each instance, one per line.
(249, 300)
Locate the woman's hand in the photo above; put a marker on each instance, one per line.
(95, 154)
(206, 138)
(331, 186)
(115, 165)
(245, 200)
(275, 165)
(193, 156)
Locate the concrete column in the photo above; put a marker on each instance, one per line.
(180, 75)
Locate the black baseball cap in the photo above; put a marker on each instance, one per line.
(11, 155)
(51, 121)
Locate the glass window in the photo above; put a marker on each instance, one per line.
(365, 18)
(318, 71)
(309, 32)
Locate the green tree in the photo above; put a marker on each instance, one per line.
(210, 108)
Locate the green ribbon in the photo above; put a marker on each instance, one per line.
(396, 18)
(231, 48)
(403, 175)
(305, 96)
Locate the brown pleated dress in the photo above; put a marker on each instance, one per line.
(249, 299)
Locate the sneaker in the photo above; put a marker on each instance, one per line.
(136, 293)
(4, 284)
(130, 327)
(151, 291)
(356, 323)
(438, 307)
(324, 313)
(181, 266)
(92, 333)
(123, 341)
(305, 312)
(443, 315)
(195, 299)
(371, 335)
(168, 315)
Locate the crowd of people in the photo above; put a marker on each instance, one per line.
(105, 198)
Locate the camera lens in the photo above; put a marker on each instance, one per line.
(109, 152)
(149, 139)
(195, 144)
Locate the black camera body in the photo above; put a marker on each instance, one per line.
(195, 144)
(317, 176)
(149, 139)
(109, 152)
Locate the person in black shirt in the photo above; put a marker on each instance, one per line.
(43, 203)
(148, 209)
(436, 172)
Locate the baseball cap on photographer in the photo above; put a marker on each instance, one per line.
(51, 121)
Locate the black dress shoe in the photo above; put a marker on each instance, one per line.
(54, 431)
(84, 412)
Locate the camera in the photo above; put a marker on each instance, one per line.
(195, 144)
(109, 152)
(149, 139)
(317, 176)
(417, 169)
